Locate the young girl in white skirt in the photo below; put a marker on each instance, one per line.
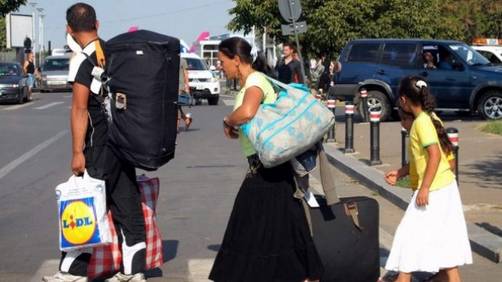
(432, 236)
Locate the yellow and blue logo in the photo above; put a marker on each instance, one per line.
(78, 223)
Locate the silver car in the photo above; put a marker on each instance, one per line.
(55, 73)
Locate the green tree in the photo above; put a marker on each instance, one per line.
(7, 6)
(332, 23)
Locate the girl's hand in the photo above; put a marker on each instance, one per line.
(423, 197)
(391, 177)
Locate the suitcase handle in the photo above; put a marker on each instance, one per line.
(352, 211)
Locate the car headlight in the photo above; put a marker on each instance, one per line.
(214, 79)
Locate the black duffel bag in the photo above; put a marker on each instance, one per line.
(143, 72)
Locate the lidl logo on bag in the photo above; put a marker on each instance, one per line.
(78, 223)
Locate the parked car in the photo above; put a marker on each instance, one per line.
(460, 78)
(55, 73)
(492, 53)
(204, 84)
(13, 87)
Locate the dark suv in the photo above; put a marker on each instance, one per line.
(460, 78)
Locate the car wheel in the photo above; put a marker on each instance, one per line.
(213, 101)
(490, 105)
(378, 102)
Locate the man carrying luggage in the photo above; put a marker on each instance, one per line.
(92, 153)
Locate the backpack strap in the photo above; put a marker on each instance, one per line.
(100, 55)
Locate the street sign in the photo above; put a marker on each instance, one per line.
(289, 29)
(290, 10)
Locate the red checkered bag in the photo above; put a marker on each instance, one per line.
(106, 259)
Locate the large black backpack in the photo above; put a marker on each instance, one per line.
(143, 72)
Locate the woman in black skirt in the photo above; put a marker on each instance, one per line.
(267, 236)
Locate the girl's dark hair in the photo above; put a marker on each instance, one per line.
(417, 91)
(237, 46)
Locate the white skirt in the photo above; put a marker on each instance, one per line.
(431, 238)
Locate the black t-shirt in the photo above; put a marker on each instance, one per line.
(291, 72)
(96, 135)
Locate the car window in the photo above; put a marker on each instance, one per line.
(195, 64)
(56, 64)
(397, 54)
(469, 55)
(364, 53)
(9, 70)
(490, 56)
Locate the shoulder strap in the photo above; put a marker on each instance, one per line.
(100, 55)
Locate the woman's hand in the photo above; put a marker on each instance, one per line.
(230, 132)
(423, 197)
(391, 177)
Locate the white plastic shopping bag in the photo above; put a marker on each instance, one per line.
(82, 213)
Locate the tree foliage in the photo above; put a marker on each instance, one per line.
(331, 23)
(7, 6)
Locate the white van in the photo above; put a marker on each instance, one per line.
(204, 84)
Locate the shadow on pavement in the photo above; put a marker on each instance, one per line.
(169, 249)
(489, 172)
(214, 248)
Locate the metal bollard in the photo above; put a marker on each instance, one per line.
(453, 136)
(364, 99)
(375, 138)
(349, 128)
(404, 152)
(331, 133)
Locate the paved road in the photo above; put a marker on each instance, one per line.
(197, 192)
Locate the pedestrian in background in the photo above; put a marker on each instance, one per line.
(316, 71)
(289, 68)
(432, 235)
(29, 71)
(267, 236)
(327, 78)
(184, 89)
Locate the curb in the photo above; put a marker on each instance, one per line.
(483, 242)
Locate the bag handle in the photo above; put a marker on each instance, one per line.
(279, 84)
(327, 181)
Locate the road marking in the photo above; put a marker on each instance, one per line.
(199, 269)
(48, 267)
(26, 156)
(11, 108)
(48, 105)
(228, 102)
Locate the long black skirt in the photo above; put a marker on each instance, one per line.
(267, 237)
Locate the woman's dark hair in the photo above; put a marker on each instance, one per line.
(81, 17)
(237, 46)
(417, 91)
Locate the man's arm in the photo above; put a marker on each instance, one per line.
(79, 123)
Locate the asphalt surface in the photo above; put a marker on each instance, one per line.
(197, 191)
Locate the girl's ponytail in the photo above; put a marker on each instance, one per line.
(428, 105)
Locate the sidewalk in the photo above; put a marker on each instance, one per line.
(480, 174)
(480, 163)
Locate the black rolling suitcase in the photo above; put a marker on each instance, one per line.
(345, 233)
(143, 72)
